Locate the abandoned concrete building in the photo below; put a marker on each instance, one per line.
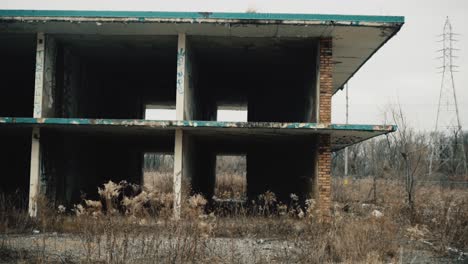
(75, 86)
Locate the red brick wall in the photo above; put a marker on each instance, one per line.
(326, 80)
(323, 181)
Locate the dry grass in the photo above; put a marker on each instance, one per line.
(13, 218)
(145, 232)
(160, 181)
(231, 186)
(440, 213)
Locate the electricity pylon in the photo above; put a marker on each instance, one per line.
(448, 150)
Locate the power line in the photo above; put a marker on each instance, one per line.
(346, 148)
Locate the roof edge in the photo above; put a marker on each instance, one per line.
(142, 15)
(341, 87)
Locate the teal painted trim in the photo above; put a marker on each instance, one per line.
(142, 15)
(391, 128)
(192, 124)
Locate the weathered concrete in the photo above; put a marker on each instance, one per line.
(35, 178)
(44, 89)
(94, 78)
(178, 170)
(358, 37)
(342, 135)
(35, 163)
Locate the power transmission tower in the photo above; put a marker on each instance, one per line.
(448, 150)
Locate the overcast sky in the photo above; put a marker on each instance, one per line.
(404, 70)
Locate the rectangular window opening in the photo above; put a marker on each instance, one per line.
(231, 113)
(231, 178)
(158, 170)
(160, 112)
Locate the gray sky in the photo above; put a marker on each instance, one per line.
(404, 70)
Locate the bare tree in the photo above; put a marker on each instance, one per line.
(411, 152)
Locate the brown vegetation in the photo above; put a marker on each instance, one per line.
(146, 232)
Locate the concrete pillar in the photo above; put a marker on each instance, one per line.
(180, 115)
(185, 110)
(43, 107)
(177, 180)
(181, 81)
(323, 172)
(35, 173)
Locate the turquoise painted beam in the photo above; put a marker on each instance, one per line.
(142, 15)
(190, 124)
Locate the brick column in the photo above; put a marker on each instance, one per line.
(326, 80)
(323, 180)
(323, 195)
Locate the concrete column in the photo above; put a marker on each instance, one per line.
(185, 110)
(181, 85)
(43, 107)
(178, 167)
(35, 173)
(186, 104)
(181, 80)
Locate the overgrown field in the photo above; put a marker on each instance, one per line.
(367, 226)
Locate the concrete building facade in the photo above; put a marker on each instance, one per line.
(75, 85)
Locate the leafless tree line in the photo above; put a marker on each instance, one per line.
(405, 155)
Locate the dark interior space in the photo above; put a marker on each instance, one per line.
(17, 73)
(78, 162)
(15, 156)
(114, 76)
(283, 164)
(274, 77)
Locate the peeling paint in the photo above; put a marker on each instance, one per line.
(192, 124)
(341, 135)
(66, 15)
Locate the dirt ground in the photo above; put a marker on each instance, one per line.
(68, 248)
